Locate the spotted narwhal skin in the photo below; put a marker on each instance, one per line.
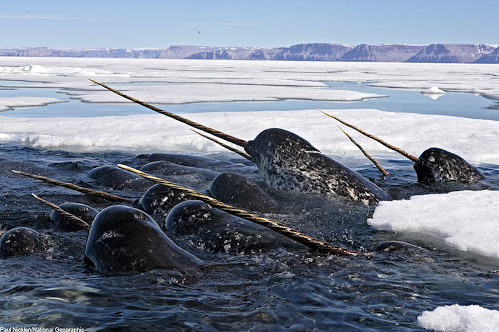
(288, 162)
(439, 165)
(21, 241)
(158, 200)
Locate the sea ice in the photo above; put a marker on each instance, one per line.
(186, 81)
(208, 92)
(7, 103)
(474, 140)
(457, 318)
(433, 90)
(464, 220)
(433, 93)
(69, 73)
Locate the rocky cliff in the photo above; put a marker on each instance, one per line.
(492, 57)
(312, 52)
(381, 53)
(450, 53)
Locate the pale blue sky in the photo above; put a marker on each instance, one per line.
(265, 23)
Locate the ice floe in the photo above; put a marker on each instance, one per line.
(457, 318)
(434, 92)
(475, 140)
(208, 92)
(464, 220)
(68, 73)
(7, 103)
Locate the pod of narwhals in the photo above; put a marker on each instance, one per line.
(128, 239)
(124, 239)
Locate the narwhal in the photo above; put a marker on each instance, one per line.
(122, 238)
(286, 161)
(434, 164)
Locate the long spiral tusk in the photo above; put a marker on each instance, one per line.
(196, 125)
(379, 140)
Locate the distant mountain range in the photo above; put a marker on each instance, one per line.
(437, 53)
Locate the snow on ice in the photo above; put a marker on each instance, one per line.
(457, 318)
(69, 73)
(463, 220)
(7, 103)
(135, 133)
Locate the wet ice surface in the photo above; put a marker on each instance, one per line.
(274, 291)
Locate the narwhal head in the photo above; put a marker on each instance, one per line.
(434, 164)
(278, 144)
(439, 165)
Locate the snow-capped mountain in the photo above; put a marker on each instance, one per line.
(460, 53)
(312, 52)
(492, 57)
(226, 53)
(381, 53)
(451, 53)
(82, 53)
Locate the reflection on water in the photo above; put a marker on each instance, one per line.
(407, 101)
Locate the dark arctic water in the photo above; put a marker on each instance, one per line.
(272, 291)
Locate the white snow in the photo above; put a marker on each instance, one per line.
(135, 133)
(464, 220)
(6, 137)
(457, 318)
(39, 70)
(7, 103)
(69, 73)
(433, 90)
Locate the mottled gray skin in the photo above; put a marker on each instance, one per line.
(82, 211)
(244, 193)
(438, 165)
(166, 168)
(123, 239)
(116, 178)
(158, 200)
(219, 231)
(21, 241)
(288, 162)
